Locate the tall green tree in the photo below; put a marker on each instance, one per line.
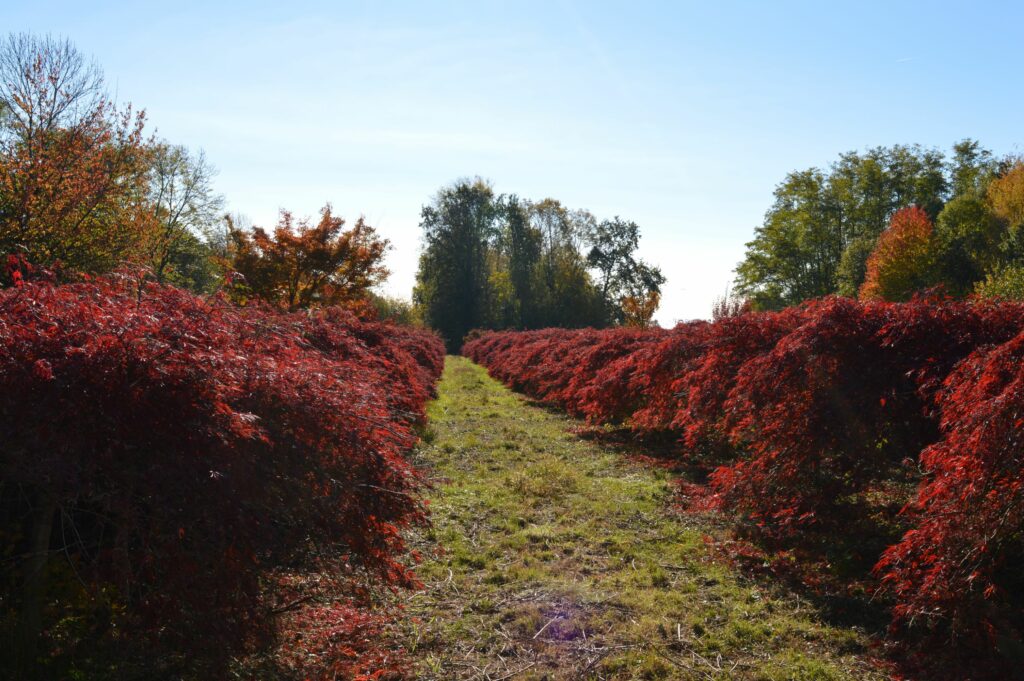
(523, 243)
(967, 240)
(567, 293)
(971, 168)
(627, 285)
(795, 251)
(453, 285)
(967, 233)
(184, 209)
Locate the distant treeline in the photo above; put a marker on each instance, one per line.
(500, 262)
(888, 223)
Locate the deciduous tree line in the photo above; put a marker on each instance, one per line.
(83, 189)
(498, 261)
(888, 223)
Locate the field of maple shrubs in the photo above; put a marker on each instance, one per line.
(196, 482)
(884, 438)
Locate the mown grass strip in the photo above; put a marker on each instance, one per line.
(552, 557)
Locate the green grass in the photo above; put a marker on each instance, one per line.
(553, 557)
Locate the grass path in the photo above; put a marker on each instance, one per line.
(553, 557)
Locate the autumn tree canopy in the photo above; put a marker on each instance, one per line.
(72, 165)
(1006, 194)
(902, 262)
(1006, 199)
(302, 265)
(183, 207)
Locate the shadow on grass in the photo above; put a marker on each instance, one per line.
(829, 566)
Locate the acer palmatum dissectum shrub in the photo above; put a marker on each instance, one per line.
(956, 575)
(609, 383)
(661, 366)
(814, 415)
(692, 375)
(553, 361)
(575, 369)
(179, 454)
(844, 401)
(542, 364)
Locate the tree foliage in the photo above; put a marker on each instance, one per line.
(495, 261)
(817, 236)
(630, 288)
(1006, 283)
(184, 208)
(452, 284)
(569, 294)
(968, 240)
(1006, 194)
(903, 261)
(302, 265)
(72, 166)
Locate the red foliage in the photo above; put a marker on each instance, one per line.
(18, 270)
(957, 573)
(815, 414)
(192, 448)
(689, 394)
(337, 641)
(607, 386)
(843, 400)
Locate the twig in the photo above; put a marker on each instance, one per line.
(513, 673)
(546, 626)
(291, 606)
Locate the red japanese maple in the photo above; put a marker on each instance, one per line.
(184, 454)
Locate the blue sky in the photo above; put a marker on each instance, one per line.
(682, 116)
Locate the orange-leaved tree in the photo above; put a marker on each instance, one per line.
(301, 265)
(638, 309)
(903, 261)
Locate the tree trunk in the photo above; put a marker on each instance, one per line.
(35, 580)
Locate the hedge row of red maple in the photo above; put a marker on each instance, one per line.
(209, 475)
(805, 418)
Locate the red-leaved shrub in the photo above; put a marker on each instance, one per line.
(181, 457)
(956, 575)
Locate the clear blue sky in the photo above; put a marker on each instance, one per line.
(681, 116)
